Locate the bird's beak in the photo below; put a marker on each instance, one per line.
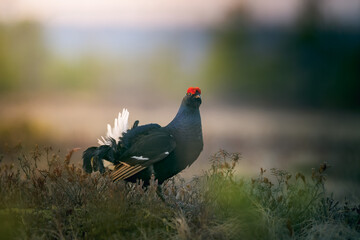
(198, 96)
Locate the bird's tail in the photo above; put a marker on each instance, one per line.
(88, 156)
(94, 157)
(116, 132)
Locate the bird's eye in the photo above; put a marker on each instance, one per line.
(189, 94)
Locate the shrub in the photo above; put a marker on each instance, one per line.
(61, 201)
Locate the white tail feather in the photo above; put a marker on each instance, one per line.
(120, 126)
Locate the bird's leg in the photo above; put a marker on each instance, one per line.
(158, 188)
(160, 193)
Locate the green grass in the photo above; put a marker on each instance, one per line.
(60, 201)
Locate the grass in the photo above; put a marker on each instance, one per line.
(61, 201)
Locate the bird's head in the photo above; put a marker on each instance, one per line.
(193, 97)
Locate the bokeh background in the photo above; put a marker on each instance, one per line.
(280, 79)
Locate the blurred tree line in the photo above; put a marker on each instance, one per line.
(311, 64)
(22, 54)
(27, 64)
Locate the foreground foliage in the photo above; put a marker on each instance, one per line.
(60, 201)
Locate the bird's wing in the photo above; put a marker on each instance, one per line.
(132, 135)
(147, 150)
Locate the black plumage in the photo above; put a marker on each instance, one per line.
(150, 149)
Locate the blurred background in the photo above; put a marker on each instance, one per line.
(280, 79)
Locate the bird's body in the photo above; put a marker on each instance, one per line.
(147, 150)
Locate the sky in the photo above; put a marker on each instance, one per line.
(161, 13)
(121, 12)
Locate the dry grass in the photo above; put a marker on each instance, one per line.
(61, 201)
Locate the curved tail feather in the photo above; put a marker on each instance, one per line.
(93, 158)
(87, 159)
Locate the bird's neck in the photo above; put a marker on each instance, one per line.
(187, 131)
(187, 118)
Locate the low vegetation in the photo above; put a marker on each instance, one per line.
(61, 201)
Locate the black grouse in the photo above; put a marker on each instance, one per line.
(143, 151)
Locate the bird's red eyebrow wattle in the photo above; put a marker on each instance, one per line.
(193, 90)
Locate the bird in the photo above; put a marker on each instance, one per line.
(146, 151)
